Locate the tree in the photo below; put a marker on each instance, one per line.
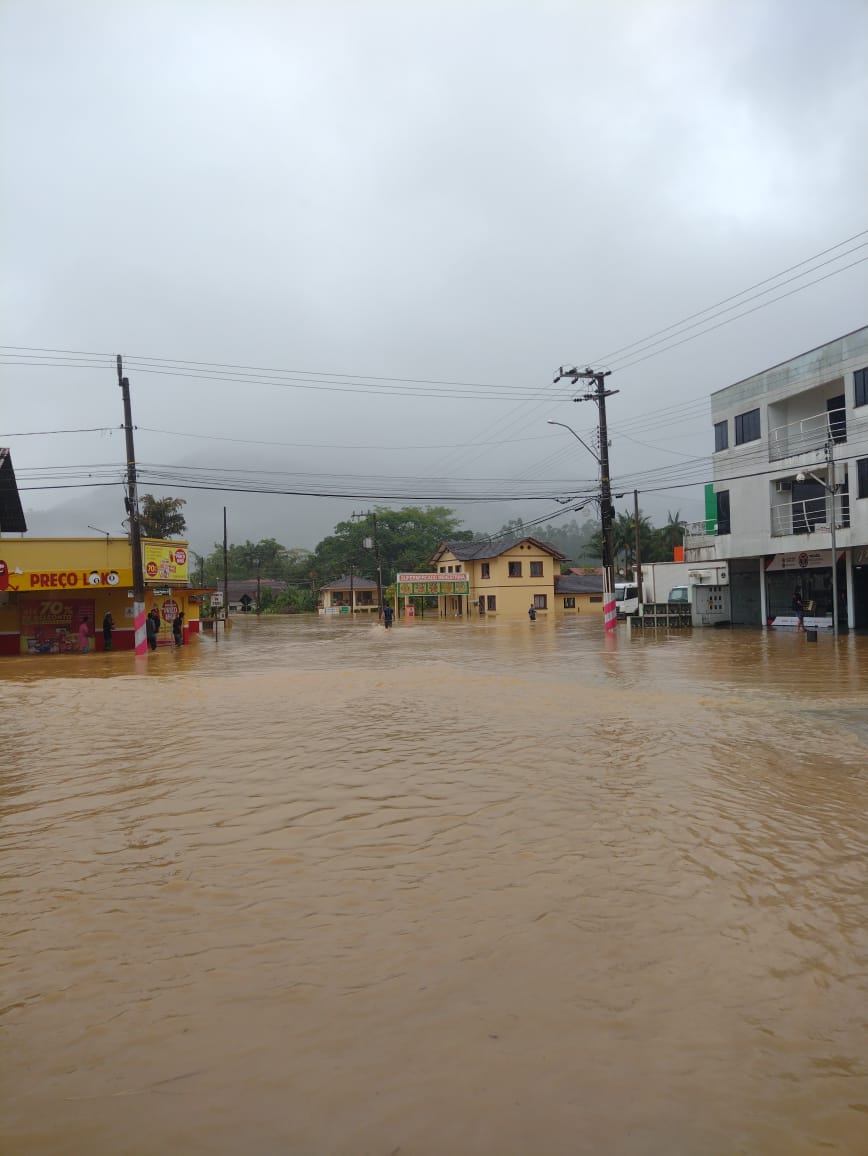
(162, 517)
(407, 538)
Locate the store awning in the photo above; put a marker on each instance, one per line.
(11, 514)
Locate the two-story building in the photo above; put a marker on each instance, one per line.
(506, 575)
(790, 466)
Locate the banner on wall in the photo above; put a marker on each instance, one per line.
(50, 624)
(432, 584)
(164, 562)
(802, 560)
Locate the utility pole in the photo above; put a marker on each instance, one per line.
(638, 574)
(832, 488)
(599, 395)
(141, 639)
(227, 625)
(370, 514)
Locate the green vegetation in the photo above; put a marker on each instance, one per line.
(406, 539)
(162, 517)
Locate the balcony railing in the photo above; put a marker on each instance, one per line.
(704, 529)
(809, 516)
(811, 433)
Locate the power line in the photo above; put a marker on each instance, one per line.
(749, 289)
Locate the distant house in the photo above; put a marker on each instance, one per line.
(348, 595)
(579, 592)
(506, 575)
(243, 593)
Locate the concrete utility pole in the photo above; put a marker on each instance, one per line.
(832, 488)
(370, 514)
(638, 571)
(141, 638)
(227, 624)
(599, 395)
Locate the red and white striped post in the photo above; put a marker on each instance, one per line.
(610, 613)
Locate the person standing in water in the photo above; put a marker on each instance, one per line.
(84, 636)
(388, 615)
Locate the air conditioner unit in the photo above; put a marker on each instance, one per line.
(784, 486)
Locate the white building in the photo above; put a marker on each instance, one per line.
(785, 441)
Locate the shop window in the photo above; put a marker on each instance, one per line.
(721, 436)
(515, 569)
(747, 427)
(569, 604)
(536, 569)
(862, 472)
(723, 525)
(492, 602)
(486, 570)
(540, 602)
(860, 388)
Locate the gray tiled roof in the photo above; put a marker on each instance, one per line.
(344, 583)
(490, 547)
(578, 584)
(12, 519)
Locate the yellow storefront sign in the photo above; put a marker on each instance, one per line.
(67, 579)
(164, 562)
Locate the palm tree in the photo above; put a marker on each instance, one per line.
(673, 532)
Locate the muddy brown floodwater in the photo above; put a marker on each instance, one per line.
(481, 887)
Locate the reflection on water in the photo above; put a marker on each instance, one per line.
(479, 887)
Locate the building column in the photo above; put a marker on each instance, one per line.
(764, 608)
(848, 572)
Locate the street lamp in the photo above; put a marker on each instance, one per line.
(257, 562)
(605, 510)
(829, 488)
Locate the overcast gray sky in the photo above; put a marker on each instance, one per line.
(456, 192)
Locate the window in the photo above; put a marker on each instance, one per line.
(486, 570)
(492, 601)
(442, 569)
(747, 427)
(596, 598)
(569, 604)
(862, 473)
(722, 511)
(458, 568)
(721, 436)
(860, 388)
(515, 569)
(449, 570)
(540, 602)
(536, 569)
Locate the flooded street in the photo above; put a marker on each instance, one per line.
(480, 887)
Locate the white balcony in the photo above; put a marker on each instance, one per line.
(808, 434)
(808, 516)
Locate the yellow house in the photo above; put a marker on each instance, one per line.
(49, 586)
(349, 596)
(506, 575)
(579, 593)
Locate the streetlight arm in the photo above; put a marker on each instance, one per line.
(578, 439)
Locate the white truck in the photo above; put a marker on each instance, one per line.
(659, 578)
